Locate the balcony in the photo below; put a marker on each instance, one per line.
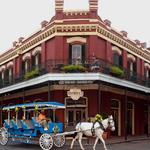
(88, 66)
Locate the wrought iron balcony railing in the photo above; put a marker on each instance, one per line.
(57, 66)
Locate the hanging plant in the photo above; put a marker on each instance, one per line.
(36, 108)
(23, 107)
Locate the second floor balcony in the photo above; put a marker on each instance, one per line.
(75, 66)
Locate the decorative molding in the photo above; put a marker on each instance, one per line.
(26, 56)
(130, 56)
(76, 39)
(2, 68)
(116, 49)
(10, 64)
(36, 50)
(146, 65)
(76, 30)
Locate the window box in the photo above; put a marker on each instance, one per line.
(31, 74)
(116, 71)
(73, 68)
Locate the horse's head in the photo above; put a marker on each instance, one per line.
(111, 123)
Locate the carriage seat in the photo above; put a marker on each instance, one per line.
(16, 125)
(35, 123)
(8, 125)
(27, 124)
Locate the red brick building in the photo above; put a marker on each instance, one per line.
(109, 72)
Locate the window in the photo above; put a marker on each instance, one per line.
(26, 65)
(117, 59)
(36, 60)
(147, 73)
(77, 54)
(132, 68)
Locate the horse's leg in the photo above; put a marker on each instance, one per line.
(80, 140)
(102, 140)
(96, 140)
(74, 139)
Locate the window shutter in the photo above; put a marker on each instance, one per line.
(33, 61)
(120, 61)
(70, 54)
(23, 67)
(83, 54)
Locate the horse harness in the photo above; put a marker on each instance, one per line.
(100, 126)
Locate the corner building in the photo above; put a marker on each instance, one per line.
(114, 77)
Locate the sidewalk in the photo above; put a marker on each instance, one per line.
(111, 140)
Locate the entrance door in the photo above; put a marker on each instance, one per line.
(115, 111)
(75, 115)
(115, 115)
(130, 118)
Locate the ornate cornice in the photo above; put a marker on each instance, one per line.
(76, 30)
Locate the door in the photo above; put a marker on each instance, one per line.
(115, 115)
(75, 115)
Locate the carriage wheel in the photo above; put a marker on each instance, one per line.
(3, 136)
(46, 141)
(59, 140)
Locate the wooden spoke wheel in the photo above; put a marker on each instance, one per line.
(3, 136)
(46, 141)
(59, 140)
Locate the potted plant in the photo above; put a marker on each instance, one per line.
(31, 74)
(116, 71)
(73, 68)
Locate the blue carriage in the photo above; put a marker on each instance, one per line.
(28, 129)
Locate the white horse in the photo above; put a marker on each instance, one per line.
(85, 128)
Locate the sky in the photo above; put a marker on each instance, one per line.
(21, 18)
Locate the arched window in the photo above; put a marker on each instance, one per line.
(117, 56)
(36, 60)
(131, 65)
(26, 65)
(9, 75)
(36, 57)
(117, 59)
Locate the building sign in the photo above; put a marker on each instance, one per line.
(75, 93)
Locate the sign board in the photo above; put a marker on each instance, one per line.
(75, 93)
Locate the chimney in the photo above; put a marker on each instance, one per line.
(144, 45)
(15, 44)
(107, 22)
(137, 42)
(59, 4)
(44, 23)
(21, 39)
(93, 7)
(125, 34)
(148, 48)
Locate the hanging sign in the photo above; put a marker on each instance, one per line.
(75, 93)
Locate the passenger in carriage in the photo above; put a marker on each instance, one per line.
(43, 120)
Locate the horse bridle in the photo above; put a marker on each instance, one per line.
(110, 122)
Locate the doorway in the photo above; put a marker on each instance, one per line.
(130, 118)
(76, 111)
(115, 111)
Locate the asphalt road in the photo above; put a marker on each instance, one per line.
(135, 145)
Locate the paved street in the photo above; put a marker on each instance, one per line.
(135, 145)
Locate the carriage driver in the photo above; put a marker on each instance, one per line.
(42, 119)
